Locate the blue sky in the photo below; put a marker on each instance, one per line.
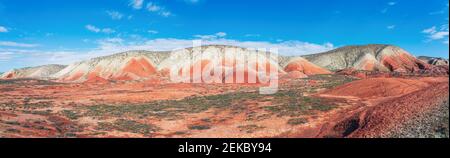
(53, 31)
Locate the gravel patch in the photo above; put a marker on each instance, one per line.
(431, 124)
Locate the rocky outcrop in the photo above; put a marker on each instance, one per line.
(133, 65)
(300, 68)
(434, 60)
(39, 72)
(386, 58)
(234, 64)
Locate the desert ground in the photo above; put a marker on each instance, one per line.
(320, 106)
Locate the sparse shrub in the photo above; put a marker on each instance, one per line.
(127, 126)
(199, 127)
(297, 121)
(70, 135)
(250, 128)
(180, 133)
(12, 123)
(12, 130)
(321, 107)
(70, 114)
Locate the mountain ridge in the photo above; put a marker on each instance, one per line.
(141, 64)
(373, 57)
(38, 72)
(434, 60)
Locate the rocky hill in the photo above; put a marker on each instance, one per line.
(434, 60)
(131, 65)
(299, 67)
(39, 72)
(370, 58)
(141, 65)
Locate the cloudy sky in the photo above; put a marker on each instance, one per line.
(60, 32)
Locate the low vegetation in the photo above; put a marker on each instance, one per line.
(284, 103)
(25, 81)
(293, 103)
(127, 126)
(70, 114)
(250, 128)
(199, 127)
(297, 121)
(172, 108)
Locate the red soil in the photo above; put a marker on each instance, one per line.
(249, 76)
(377, 120)
(74, 77)
(133, 69)
(93, 77)
(10, 76)
(404, 63)
(352, 72)
(356, 117)
(267, 66)
(203, 65)
(96, 79)
(376, 117)
(230, 70)
(140, 67)
(297, 74)
(369, 65)
(378, 87)
(305, 67)
(439, 70)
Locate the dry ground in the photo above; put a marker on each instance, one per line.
(320, 106)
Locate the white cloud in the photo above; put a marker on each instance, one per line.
(437, 12)
(152, 31)
(439, 35)
(3, 29)
(441, 11)
(106, 44)
(252, 35)
(434, 33)
(115, 15)
(221, 34)
(95, 29)
(108, 30)
(391, 27)
(92, 28)
(192, 1)
(165, 13)
(389, 4)
(113, 40)
(153, 7)
(430, 30)
(213, 36)
(115, 45)
(392, 3)
(15, 44)
(6, 56)
(136, 4)
(160, 10)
